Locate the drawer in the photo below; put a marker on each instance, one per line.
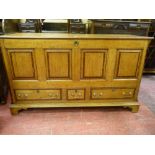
(38, 94)
(112, 93)
(76, 94)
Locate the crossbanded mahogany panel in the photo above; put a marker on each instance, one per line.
(22, 63)
(58, 64)
(127, 64)
(93, 63)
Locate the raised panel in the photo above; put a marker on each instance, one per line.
(127, 63)
(22, 63)
(58, 64)
(93, 63)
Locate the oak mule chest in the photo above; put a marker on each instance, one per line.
(73, 70)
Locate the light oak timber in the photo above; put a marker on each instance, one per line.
(70, 84)
(40, 65)
(72, 36)
(73, 70)
(96, 43)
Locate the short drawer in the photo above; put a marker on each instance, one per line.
(38, 94)
(112, 93)
(76, 94)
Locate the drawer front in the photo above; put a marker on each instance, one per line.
(76, 94)
(113, 93)
(38, 94)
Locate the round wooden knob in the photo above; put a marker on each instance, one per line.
(94, 94)
(124, 93)
(19, 95)
(130, 92)
(101, 94)
(26, 95)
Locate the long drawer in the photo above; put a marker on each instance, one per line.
(112, 93)
(54, 94)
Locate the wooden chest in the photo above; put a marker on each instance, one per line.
(74, 70)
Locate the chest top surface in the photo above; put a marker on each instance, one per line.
(71, 36)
